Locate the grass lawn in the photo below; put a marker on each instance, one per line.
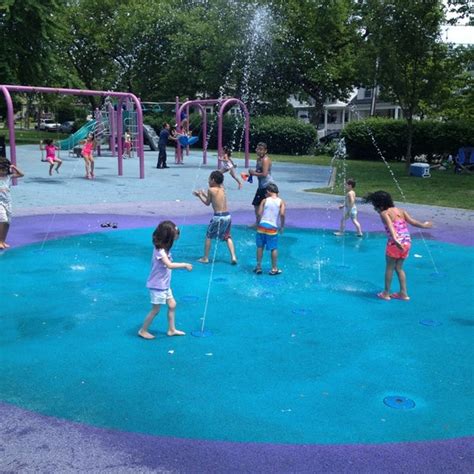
(444, 188)
(25, 137)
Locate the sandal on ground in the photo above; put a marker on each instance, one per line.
(382, 296)
(398, 296)
(106, 224)
(274, 272)
(257, 270)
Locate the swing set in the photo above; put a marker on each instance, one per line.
(117, 124)
(182, 110)
(120, 96)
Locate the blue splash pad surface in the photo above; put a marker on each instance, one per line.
(304, 357)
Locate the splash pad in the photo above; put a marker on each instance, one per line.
(286, 353)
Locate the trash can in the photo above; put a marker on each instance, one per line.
(421, 170)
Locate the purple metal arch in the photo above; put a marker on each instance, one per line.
(179, 152)
(223, 104)
(226, 103)
(6, 89)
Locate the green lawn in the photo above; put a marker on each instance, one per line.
(25, 137)
(444, 188)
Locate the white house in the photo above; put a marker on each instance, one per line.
(337, 113)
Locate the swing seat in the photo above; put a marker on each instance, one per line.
(187, 141)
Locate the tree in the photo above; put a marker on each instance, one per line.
(412, 61)
(29, 31)
(317, 43)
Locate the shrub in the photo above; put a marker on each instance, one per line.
(285, 135)
(430, 138)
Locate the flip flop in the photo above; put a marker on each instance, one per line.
(257, 270)
(105, 224)
(383, 297)
(274, 272)
(398, 296)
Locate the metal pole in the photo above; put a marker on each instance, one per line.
(11, 127)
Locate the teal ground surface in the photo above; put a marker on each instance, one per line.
(304, 357)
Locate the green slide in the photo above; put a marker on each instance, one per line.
(74, 139)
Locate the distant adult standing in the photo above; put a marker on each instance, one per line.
(162, 144)
(263, 171)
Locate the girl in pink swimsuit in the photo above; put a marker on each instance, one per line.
(51, 157)
(399, 241)
(87, 154)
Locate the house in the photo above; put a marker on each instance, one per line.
(337, 113)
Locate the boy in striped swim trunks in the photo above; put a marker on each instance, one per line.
(270, 211)
(219, 227)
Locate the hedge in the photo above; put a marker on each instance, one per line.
(283, 135)
(431, 138)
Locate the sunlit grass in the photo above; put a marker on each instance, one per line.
(444, 188)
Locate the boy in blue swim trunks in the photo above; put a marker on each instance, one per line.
(350, 209)
(270, 211)
(219, 227)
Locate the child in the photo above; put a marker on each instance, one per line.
(263, 171)
(87, 151)
(220, 224)
(350, 209)
(229, 165)
(51, 157)
(399, 241)
(270, 209)
(7, 172)
(127, 143)
(160, 278)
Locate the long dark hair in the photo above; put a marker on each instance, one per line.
(380, 200)
(5, 166)
(164, 235)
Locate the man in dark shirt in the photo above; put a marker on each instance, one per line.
(162, 143)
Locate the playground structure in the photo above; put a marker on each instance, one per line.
(223, 104)
(117, 130)
(112, 120)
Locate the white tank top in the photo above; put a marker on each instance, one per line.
(271, 211)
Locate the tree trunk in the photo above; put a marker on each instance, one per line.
(409, 143)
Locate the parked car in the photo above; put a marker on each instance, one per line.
(67, 127)
(48, 125)
(330, 137)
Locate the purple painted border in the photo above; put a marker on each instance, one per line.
(39, 443)
(37, 228)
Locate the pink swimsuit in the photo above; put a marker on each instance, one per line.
(88, 147)
(403, 236)
(50, 152)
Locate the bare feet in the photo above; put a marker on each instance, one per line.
(145, 334)
(400, 296)
(5, 245)
(240, 186)
(203, 260)
(234, 261)
(338, 233)
(176, 332)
